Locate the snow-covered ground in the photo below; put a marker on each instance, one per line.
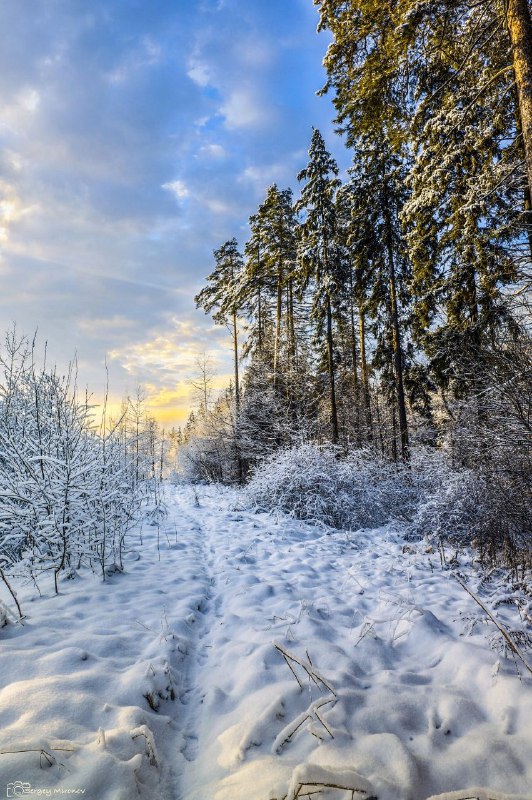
(249, 657)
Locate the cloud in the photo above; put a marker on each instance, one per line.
(168, 360)
(199, 73)
(242, 108)
(265, 175)
(148, 53)
(172, 350)
(104, 326)
(171, 405)
(212, 151)
(109, 118)
(12, 209)
(177, 188)
(217, 206)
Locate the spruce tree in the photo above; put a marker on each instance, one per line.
(255, 291)
(319, 263)
(221, 296)
(280, 225)
(464, 216)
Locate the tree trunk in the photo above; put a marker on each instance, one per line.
(259, 300)
(527, 204)
(396, 334)
(293, 349)
(238, 456)
(379, 424)
(235, 351)
(278, 315)
(354, 356)
(364, 374)
(520, 30)
(527, 199)
(330, 359)
(394, 432)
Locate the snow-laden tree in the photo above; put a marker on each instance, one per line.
(220, 295)
(464, 216)
(256, 290)
(69, 492)
(319, 264)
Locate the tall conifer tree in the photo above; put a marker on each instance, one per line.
(318, 250)
(221, 296)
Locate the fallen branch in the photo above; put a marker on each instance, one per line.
(310, 779)
(43, 754)
(313, 674)
(508, 639)
(151, 752)
(12, 593)
(320, 786)
(290, 730)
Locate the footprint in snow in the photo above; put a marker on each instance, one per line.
(190, 747)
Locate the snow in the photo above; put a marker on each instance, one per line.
(255, 656)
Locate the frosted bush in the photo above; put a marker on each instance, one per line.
(317, 484)
(451, 507)
(69, 493)
(466, 506)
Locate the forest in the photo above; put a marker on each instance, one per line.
(320, 586)
(385, 319)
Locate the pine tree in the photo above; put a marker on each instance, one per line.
(255, 290)
(318, 250)
(267, 286)
(280, 256)
(463, 216)
(519, 25)
(355, 236)
(449, 66)
(221, 296)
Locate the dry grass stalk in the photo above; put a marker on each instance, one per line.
(508, 639)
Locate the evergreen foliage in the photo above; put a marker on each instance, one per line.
(390, 312)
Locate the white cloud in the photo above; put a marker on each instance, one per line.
(218, 206)
(243, 110)
(265, 175)
(178, 188)
(15, 115)
(203, 102)
(212, 151)
(14, 160)
(253, 53)
(199, 72)
(149, 54)
(29, 100)
(171, 352)
(104, 326)
(12, 209)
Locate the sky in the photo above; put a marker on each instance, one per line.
(135, 137)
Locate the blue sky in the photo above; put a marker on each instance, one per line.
(136, 136)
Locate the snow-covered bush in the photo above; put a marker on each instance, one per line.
(68, 493)
(451, 502)
(317, 483)
(439, 500)
(466, 505)
(210, 450)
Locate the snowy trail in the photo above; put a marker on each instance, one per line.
(100, 677)
(169, 682)
(422, 709)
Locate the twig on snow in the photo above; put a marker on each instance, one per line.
(508, 639)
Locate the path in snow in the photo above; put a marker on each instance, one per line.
(421, 709)
(170, 683)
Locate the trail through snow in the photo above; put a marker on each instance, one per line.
(248, 657)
